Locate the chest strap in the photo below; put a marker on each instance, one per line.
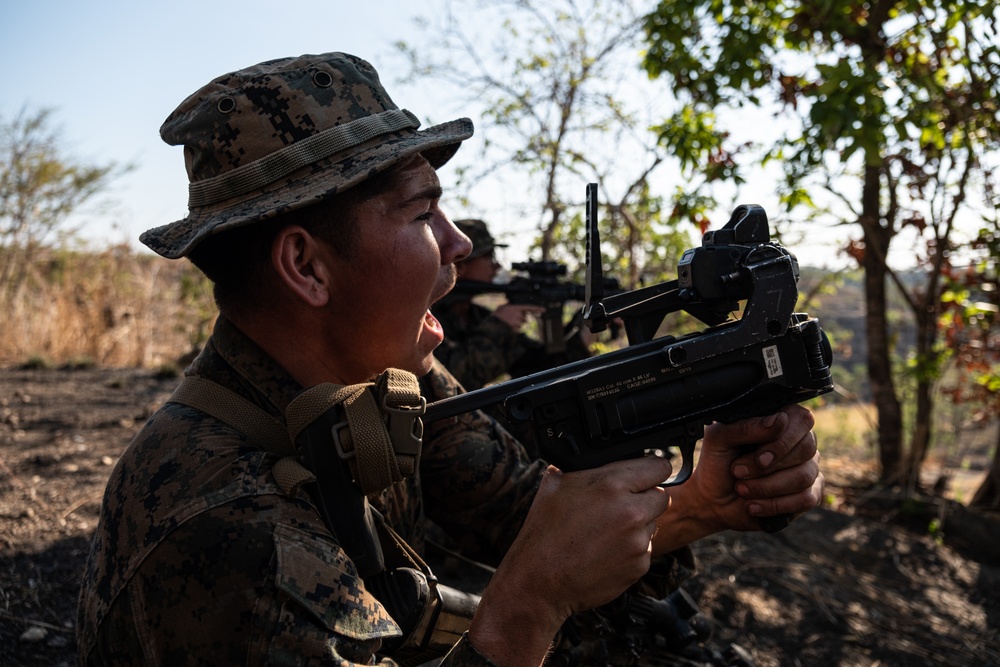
(381, 433)
(380, 438)
(376, 429)
(263, 429)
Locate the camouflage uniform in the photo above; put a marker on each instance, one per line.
(200, 558)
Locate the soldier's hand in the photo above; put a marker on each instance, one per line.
(585, 540)
(755, 468)
(516, 315)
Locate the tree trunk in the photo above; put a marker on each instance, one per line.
(925, 315)
(921, 441)
(988, 494)
(890, 419)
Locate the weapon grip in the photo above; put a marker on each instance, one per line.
(772, 524)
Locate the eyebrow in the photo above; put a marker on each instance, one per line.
(429, 192)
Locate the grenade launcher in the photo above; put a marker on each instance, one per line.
(658, 393)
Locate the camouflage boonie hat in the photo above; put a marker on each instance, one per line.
(483, 242)
(284, 134)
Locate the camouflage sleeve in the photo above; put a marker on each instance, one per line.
(231, 571)
(232, 587)
(485, 353)
(478, 481)
(479, 484)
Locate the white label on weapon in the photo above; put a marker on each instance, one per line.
(772, 361)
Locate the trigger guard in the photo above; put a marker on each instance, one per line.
(687, 467)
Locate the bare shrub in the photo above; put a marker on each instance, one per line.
(114, 308)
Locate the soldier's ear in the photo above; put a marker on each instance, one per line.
(301, 262)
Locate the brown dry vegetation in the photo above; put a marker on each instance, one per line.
(116, 308)
(864, 581)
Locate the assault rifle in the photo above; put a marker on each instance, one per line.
(660, 392)
(541, 284)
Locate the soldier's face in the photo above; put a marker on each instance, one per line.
(403, 260)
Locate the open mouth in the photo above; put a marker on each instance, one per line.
(433, 328)
(431, 322)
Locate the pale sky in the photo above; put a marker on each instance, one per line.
(112, 71)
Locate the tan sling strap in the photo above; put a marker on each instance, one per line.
(263, 429)
(381, 436)
(226, 405)
(380, 440)
(380, 443)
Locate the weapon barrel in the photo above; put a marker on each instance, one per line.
(497, 393)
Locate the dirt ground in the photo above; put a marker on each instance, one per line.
(847, 587)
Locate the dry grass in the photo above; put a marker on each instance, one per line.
(115, 308)
(847, 429)
(847, 438)
(846, 433)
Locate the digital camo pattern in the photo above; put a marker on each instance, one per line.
(200, 559)
(241, 117)
(477, 480)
